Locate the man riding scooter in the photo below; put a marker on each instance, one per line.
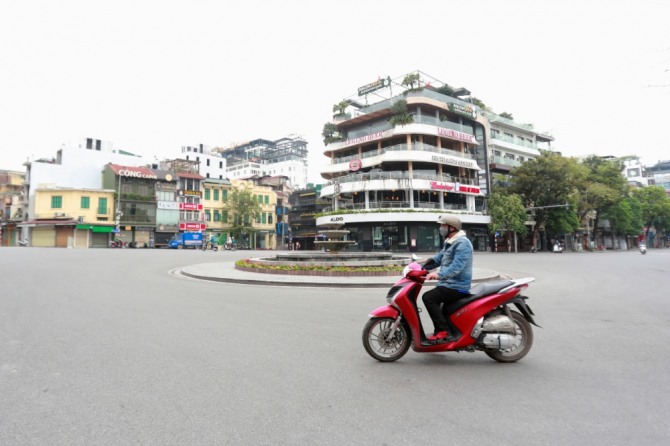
(454, 275)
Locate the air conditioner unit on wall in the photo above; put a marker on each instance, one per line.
(59, 214)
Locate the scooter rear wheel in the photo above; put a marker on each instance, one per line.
(524, 341)
(383, 345)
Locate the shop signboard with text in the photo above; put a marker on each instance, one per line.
(192, 226)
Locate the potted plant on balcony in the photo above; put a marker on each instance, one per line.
(331, 133)
(401, 115)
(410, 80)
(340, 110)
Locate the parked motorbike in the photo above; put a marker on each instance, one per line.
(558, 247)
(643, 248)
(481, 321)
(22, 242)
(230, 246)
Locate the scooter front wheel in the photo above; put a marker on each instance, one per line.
(383, 345)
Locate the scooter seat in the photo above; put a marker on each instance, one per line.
(476, 292)
(486, 288)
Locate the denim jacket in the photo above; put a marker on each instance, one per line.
(455, 260)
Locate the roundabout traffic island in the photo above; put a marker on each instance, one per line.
(329, 261)
(326, 264)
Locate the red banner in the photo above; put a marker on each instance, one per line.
(190, 207)
(192, 226)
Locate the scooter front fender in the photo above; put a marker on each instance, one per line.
(385, 311)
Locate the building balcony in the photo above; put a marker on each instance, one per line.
(503, 164)
(400, 205)
(422, 125)
(398, 180)
(525, 149)
(402, 148)
(400, 154)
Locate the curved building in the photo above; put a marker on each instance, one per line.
(399, 163)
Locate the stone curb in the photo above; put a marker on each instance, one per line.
(226, 273)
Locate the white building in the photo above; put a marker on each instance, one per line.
(211, 163)
(75, 166)
(261, 157)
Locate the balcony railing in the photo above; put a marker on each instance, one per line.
(513, 140)
(398, 175)
(396, 205)
(418, 119)
(506, 161)
(403, 148)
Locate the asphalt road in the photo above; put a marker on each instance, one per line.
(105, 347)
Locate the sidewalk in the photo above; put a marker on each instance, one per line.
(226, 272)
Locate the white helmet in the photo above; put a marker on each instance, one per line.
(450, 220)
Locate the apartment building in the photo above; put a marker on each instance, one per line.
(400, 156)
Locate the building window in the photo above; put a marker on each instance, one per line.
(216, 194)
(208, 162)
(217, 216)
(207, 193)
(85, 202)
(263, 218)
(267, 199)
(208, 216)
(56, 202)
(220, 164)
(270, 219)
(260, 199)
(225, 217)
(224, 195)
(102, 206)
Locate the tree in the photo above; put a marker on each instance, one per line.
(506, 115)
(478, 103)
(546, 182)
(401, 115)
(507, 214)
(605, 186)
(625, 217)
(654, 207)
(330, 133)
(410, 80)
(445, 90)
(242, 207)
(340, 107)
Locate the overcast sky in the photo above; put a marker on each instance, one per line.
(152, 76)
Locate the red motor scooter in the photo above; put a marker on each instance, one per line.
(481, 321)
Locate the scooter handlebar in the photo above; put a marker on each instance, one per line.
(418, 275)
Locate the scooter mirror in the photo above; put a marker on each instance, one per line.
(414, 257)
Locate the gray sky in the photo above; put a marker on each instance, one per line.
(152, 76)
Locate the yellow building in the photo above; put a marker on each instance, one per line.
(216, 193)
(262, 235)
(71, 217)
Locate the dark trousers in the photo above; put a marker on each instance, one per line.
(434, 298)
